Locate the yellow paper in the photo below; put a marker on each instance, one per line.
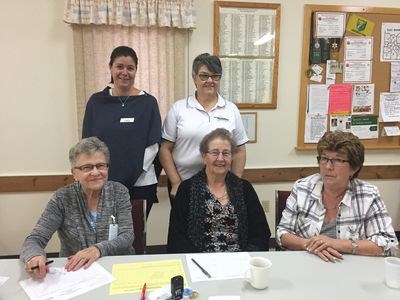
(131, 277)
(359, 25)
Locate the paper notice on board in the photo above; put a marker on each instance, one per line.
(391, 131)
(365, 127)
(330, 24)
(389, 107)
(390, 49)
(316, 126)
(357, 71)
(358, 48)
(340, 122)
(340, 98)
(395, 77)
(317, 99)
(363, 99)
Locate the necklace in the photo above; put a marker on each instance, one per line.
(123, 101)
(222, 196)
(324, 198)
(216, 197)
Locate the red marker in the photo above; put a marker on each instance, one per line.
(143, 295)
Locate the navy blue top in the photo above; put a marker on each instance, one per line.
(126, 141)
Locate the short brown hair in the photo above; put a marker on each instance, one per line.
(344, 143)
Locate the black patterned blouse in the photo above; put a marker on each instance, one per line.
(221, 226)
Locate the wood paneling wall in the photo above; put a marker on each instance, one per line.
(36, 183)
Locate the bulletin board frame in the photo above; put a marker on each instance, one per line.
(380, 70)
(255, 93)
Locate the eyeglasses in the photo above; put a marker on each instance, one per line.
(205, 76)
(336, 162)
(216, 153)
(89, 167)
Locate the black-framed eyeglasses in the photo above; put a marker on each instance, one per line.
(336, 162)
(205, 76)
(89, 167)
(216, 153)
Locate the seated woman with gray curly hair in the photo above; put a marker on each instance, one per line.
(92, 215)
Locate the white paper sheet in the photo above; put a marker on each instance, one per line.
(317, 98)
(3, 279)
(389, 106)
(60, 284)
(395, 77)
(316, 126)
(358, 48)
(219, 265)
(391, 131)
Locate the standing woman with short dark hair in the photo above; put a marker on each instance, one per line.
(128, 120)
(191, 118)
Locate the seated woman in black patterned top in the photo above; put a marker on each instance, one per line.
(216, 211)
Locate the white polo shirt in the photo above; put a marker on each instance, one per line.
(187, 123)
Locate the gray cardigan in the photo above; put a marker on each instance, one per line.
(67, 214)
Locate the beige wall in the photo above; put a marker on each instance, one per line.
(38, 112)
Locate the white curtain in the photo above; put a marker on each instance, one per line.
(161, 61)
(141, 13)
(156, 29)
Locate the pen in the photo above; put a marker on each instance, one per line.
(201, 268)
(47, 263)
(143, 295)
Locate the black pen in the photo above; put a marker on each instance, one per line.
(47, 263)
(201, 268)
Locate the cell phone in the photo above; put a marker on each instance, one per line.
(176, 287)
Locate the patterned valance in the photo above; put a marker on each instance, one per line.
(141, 13)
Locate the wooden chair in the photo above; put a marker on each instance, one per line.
(280, 204)
(139, 225)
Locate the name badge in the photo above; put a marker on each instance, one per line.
(221, 117)
(127, 120)
(112, 231)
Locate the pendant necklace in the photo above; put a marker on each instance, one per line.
(123, 101)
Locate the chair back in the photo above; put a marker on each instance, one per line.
(139, 225)
(280, 204)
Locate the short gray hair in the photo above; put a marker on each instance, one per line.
(88, 146)
(219, 133)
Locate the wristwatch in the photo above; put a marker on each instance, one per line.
(354, 246)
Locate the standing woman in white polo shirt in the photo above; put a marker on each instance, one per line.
(191, 118)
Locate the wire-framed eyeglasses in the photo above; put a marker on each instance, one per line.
(216, 153)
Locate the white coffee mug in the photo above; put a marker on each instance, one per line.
(258, 274)
(392, 272)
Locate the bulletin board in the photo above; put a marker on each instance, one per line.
(380, 70)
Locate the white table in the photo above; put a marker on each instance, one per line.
(294, 276)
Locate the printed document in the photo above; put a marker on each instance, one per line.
(130, 277)
(60, 284)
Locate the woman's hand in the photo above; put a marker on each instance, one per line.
(83, 258)
(39, 272)
(174, 189)
(324, 247)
